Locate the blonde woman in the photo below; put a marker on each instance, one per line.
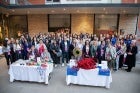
(123, 52)
(80, 46)
(110, 56)
(93, 49)
(119, 51)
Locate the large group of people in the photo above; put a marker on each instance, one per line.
(116, 50)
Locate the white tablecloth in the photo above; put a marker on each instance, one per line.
(29, 73)
(1, 50)
(89, 77)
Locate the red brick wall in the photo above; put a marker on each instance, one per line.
(37, 2)
(4, 2)
(138, 1)
(129, 1)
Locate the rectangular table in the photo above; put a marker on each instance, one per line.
(89, 77)
(1, 50)
(30, 73)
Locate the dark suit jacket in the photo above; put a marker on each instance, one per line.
(85, 54)
(131, 59)
(62, 46)
(99, 52)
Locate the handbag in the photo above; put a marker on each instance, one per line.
(59, 54)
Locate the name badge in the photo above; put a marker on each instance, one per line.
(8, 53)
(19, 51)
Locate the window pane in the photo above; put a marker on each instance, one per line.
(59, 21)
(18, 26)
(56, 0)
(105, 23)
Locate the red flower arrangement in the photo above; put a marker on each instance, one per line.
(87, 63)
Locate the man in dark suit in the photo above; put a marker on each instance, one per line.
(101, 52)
(131, 56)
(65, 50)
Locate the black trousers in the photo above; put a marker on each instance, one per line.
(18, 55)
(129, 68)
(8, 58)
(65, 55)
(13, 55)
(100, 59)
(121, 59)
(55, 59)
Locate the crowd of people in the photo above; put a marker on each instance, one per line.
(117, 50)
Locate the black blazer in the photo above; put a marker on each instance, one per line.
(131, 59)
(99, 52)
(85, 54)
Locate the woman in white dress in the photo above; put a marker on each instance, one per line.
(80, 44)
(110, 56)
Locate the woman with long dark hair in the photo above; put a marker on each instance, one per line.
(34, 41)
(101, 51)
(86, 49)
(123, 51)
(12, 49)
(6, 51)
(26, 46)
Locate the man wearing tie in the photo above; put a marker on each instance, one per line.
(65, 49)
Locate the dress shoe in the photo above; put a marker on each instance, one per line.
(128, 70)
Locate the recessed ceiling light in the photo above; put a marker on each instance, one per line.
(64, 9)
(7, 14)
(28, 12)
(52, 11)
(124, 11)
(106, 12)
(102, 16)
(77, 11)
(86, 12)
(13, 10)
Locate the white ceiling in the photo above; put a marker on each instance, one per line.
(71, 10)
